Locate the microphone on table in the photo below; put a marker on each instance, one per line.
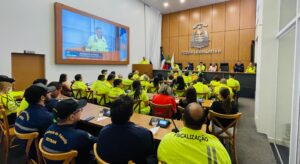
(175, 130)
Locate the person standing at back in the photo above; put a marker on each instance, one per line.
(191, 145)
(123, 140)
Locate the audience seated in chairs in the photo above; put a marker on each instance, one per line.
(164, 97)
(127, 83)
(138, 93)
(122, 140)
(190, 144)
(100, 90)
(55, 95)
(201, 89)
(154, 85)
(63, 137)
(223, 84)
(35, 118)
(79, 88)
(66, 86)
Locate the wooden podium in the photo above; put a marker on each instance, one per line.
(143, 69)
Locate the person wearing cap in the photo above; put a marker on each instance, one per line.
(50, 104)
(117, 90)
(190, 144)
(78, 84)
(63, 137)
(35, 118)
(24, 104)
(7, 99)
(123, 140)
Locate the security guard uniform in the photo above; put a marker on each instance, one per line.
(193, 147)
(202, 88)
(79, 85)
(144, 97)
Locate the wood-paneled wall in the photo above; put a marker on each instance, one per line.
(231, 28)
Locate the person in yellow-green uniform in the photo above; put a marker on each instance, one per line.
(97, 42)
(136, 75)
(103, 87)
(78, 84)
(145, 82)
(191, 145)
(233, 83)
(179, 86)
(154, 85)
(127, 83)
(176, 67)
(223, 84)
(202, 88)
(144, 61)
(117, 90)
(201, 67)
(187, 78)
(7, 100)
(138, 93)
(214, 82)
(251, 68)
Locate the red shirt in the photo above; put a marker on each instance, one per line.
(162, 99)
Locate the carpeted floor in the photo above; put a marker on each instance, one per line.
(252, 147)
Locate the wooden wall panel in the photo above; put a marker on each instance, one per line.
(218, 40)
(232, 15)
(246, 36)
(174, 48)
(218, 17)
(165, 26)
(248, 14)
(184, 23)
(194, 18)
(231, 28)
(166, 45)
(174, 24)
(206, 17)
(232, 45)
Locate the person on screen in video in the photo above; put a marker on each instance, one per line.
(97, 42)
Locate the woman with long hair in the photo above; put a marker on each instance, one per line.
(179, 86)
(191, 96)
(138, 93)
(154, 85)
(66, 87)
(224, 105)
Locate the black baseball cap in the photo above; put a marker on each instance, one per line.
(4, 78)
(65, 108)
(34, 92)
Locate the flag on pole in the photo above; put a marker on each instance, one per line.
(162, 60)
(172, 61)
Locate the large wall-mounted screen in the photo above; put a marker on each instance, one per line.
(82, 38)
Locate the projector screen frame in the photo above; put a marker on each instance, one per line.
(58, 7)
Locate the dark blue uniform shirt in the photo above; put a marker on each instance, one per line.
(238, 68)
(51, 104)
(63, 138)
(35, 118)
(121, 143)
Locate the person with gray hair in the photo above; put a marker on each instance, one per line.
(164, 97)
(191, 144)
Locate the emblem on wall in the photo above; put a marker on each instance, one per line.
(200, 36)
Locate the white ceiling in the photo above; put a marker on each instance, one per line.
(175, 5)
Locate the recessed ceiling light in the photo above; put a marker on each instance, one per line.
(166, 4)
(182, 1)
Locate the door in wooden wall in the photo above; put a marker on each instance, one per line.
(26, 68)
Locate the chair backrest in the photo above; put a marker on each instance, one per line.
(204, 95)
(98, 158)
(30, 138)
(90, 96)
(67, 157)
(77, 93)
(111, 98)
(166, 108)
(137, 105)
(102, 98)
(224, 130)
(4, 125)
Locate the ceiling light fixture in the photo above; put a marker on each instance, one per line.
(182, 1)
(166, 4)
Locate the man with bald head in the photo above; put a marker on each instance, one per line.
(190, 144)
